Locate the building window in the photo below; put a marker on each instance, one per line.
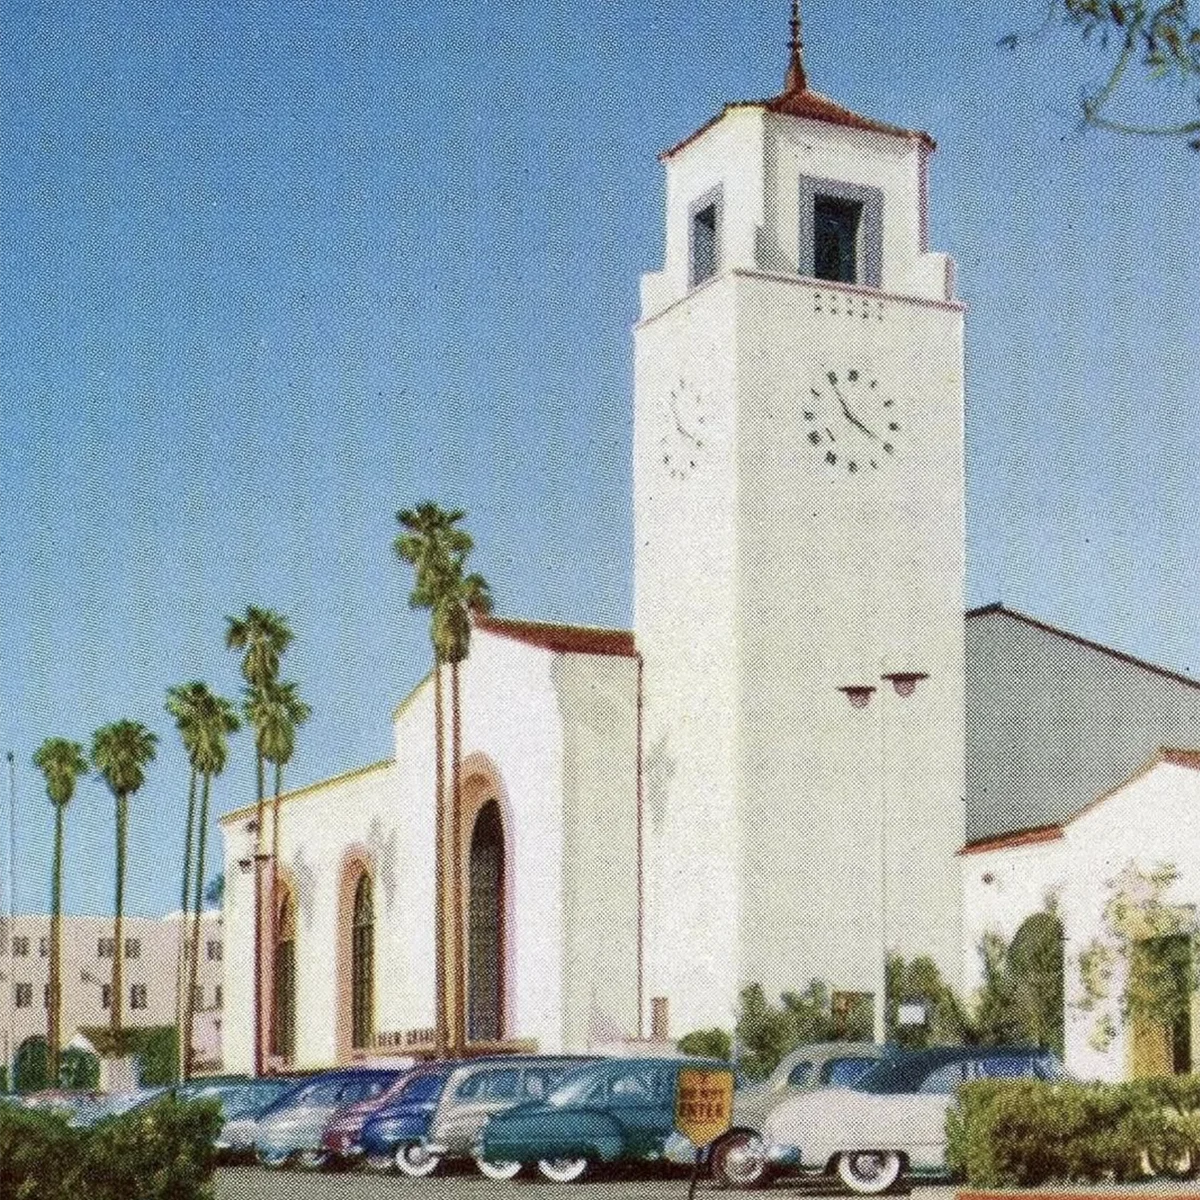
(841, 232)
(217, 996)
(20, 947)
(133, 947)
(137, 996)
(214, 951)
(284, 1024)
(485, 927)
(44, 947)
(106, 947)
(106, 995)
(23, 995)
(362, 966)
(835, 239)
(704, 238)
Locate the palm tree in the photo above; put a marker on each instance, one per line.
(183, 701)
(215, 719)
(431, 544)
(276, 711)
(121, 752)
(61, 762)
(437, 548)
(264, 635)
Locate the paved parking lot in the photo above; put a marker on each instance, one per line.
(250, 1183)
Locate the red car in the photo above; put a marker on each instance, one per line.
(343, 1135)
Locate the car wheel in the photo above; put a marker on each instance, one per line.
(415, 1161)
(869, 1172)
(498, 1168)
(273, 1160)
(563, 1170)
(739, 1160)
(312, 1160)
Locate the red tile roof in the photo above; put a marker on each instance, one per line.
(1022, 837)
(809, 106)
(562, 639)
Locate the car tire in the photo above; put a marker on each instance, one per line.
(563, 1170)
(498, 1169)
(272, 1160)
(312, 1160)
(413, 1160)
(869, 1172)
(739, 1160)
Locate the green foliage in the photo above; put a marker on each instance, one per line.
(1024, 1133)
(706, 1043)
(31, 1071)
(156, 1046)
(767, 1032)
(162, 1152)
(1140, 42)
(918, 981)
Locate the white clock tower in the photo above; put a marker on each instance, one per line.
(799, 569)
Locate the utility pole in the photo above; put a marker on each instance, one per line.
(10, 1037)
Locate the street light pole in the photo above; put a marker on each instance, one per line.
(904, 683)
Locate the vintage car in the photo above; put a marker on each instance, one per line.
(394, 1135)
(478, 1090)
(613, 1110)
(736, 1159)
(893, 1121)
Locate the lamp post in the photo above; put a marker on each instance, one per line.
(904, 684)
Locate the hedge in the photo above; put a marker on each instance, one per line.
(161, 1152)
(1024, 1133)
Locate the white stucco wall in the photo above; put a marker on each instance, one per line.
(1152, 820)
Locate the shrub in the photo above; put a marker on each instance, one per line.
(161, 1152)
(706, 1043)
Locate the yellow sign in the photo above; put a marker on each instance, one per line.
(703, 1104)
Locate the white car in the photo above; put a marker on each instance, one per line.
(893, 1121)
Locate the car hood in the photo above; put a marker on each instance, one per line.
(296, 1118)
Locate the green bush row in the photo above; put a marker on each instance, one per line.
(1026, 1133)
(161, 1152)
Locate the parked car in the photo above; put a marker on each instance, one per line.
(266, 1094)
(394, 1136)
(477, 1090)
(736, 1159)
(291, 1130)
(615, 1110)
(893, 1121)
(343, 1135)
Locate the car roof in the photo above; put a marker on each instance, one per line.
(907, 1067)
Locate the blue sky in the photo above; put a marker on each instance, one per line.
(271, 272)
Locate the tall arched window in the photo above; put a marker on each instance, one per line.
(362, 967)
(285, 978)
(485, 949)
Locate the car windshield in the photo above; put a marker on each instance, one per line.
(896, 1075)
(577, 1086)
(422, 1088)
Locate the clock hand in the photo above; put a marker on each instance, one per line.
(837, 391)
(691, 437)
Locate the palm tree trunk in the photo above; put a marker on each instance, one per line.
(184, 892)
(118, 967)
(441, 1000)
(189, 1002)
(54, 1032)
(272, 950)
(460, 966)
(258, 916)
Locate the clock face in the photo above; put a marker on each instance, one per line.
(851, 420)
(686, 420)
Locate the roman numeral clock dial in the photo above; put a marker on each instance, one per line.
(851, 420)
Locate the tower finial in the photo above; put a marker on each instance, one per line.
(796, 80)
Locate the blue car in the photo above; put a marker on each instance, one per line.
(395, 1135)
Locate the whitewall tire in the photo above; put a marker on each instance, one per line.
(869, 1172)
(563, 1170)
(498, 1168)
(739, 1160)
(413, 1160)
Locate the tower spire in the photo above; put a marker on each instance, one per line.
(796, 80)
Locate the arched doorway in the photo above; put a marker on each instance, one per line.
(485, 927)
(284, 999)
(362, 966)
(1035, 960)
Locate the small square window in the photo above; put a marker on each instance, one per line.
(105, 947)
(214, 951)
(133, 948)
(106, 995)
(217, 996)
(23, 995)
(138, 997)
(20, 947)
(836, 225)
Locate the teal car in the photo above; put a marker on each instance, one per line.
(614, 1110)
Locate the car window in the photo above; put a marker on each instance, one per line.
(635, 1088)
(504, 1084)
(840, 1072)
(798, 1076)
(1048, 1067)
(376, 1087)
(423, 1087)
(943, 1080)
(1002, 1066)
(472, 1086)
